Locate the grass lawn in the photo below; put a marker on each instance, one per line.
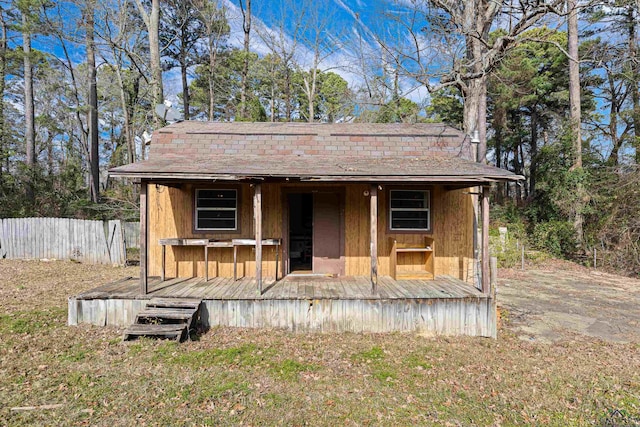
(87, 375)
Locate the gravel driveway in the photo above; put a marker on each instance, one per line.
(566, 301)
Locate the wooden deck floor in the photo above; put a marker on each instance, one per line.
(289, 288)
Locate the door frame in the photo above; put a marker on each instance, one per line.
(305, 189)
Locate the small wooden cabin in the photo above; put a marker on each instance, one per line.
(316, 205)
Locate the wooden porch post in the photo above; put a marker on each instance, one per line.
(257, 217)
(374, 238)
(144, 267)
(485, 240)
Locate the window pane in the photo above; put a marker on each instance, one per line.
(216, 209)
(410, 215)
(409, 209)
(220, 224)
(409, 199)
(216, 214)
(409, 224)
(216, 203)
(216, 199)
(217, 194)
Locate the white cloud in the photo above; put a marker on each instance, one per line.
(358, 42)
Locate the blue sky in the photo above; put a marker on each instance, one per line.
(355, 23)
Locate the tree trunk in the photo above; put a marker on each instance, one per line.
(94, 156)
(499, 119)
(50, 156)
(635, 77)
(183, 71)
(477, 88)
(211, 94)
(498, 143)
(131, 149)
(272, 101)
(287, 92)
(310, 87)
(574, 82)
(185, 91)
(246, 27)
(213, 55)
(472, 94)
(518, 171)
(152, 22)
(575, 113)
(613, 121)
(154, 52)
(3, 72)
(29, 109)
(533, 169)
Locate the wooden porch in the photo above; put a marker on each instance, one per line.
(445, 306)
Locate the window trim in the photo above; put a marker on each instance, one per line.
(392, 230)
(216, 230)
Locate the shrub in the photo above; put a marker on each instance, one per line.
(555, 237)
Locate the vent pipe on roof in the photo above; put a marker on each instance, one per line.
(475, 139)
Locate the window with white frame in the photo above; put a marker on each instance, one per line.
(216, 209)
(410, 210)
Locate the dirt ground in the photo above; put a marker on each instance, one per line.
(562, 300)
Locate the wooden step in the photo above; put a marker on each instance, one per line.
(165, 318)
(174, 303)
(413, 275)
(155, 313)
(175, 332)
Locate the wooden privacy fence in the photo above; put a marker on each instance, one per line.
(92, 242)
(131, 234)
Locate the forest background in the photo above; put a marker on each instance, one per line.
(549, 87)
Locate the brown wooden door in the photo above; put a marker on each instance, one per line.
(328, 233)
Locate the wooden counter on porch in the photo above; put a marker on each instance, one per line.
(207, 244)
(305, 303)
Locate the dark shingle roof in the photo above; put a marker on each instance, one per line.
(312, 151)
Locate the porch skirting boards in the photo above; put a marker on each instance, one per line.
(472, 316)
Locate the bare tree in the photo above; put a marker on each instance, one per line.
(246, 28)
(3, 72)
(455, 49)
(29, 109)
(574, 81)
(54, 20)
(322, 39)
(633, 9)
(303, 40)
(119, 32)
(94, 155)
(575, 114)
(216, 29)
(283, 40)
(151, 20)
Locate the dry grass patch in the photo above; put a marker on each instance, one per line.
(252, 377)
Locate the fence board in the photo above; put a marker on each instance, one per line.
(3, 245)
(131, 234)
(95, 242)
(115, 241)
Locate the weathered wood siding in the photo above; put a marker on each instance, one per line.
(93, 242)
(171, 214)
(450, 316)
(104, 312)
(452, 231)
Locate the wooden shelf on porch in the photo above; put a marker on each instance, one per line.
(398, 248)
